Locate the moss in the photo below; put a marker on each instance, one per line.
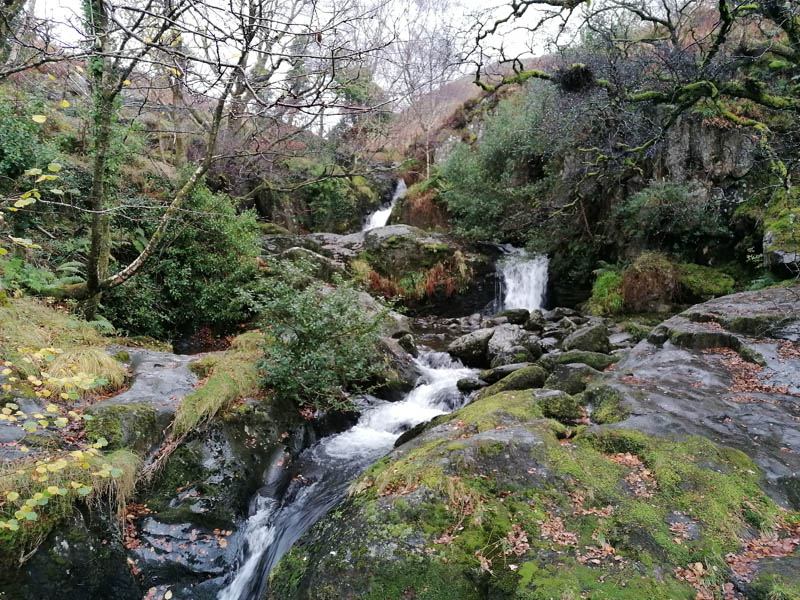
(533, 376)
(488, 412)
(606, 296)
(772, 586)
(272, 229)
(122, 356)
(607, 404)
(561, 406)
(4, 301)
(478, 487)
(704, 282)
(123, 426)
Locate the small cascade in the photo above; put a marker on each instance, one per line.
(524, 278)
(380, 217)
(324, 471)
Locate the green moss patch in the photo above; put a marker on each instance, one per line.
(702, 282)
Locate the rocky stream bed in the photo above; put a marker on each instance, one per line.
(532, 454)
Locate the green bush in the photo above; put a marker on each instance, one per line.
(667, 216)
(321, 343)
(332, 205)
(506, 172)
(204, 275)
(21, 147)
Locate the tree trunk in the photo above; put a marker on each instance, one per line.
(102, 119)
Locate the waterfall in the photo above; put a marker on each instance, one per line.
(380, 217)
(325, 471)
(524, 278)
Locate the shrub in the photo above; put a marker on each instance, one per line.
(321, 342)
(651, 282)
(332, 206)
(669, 217)
(20, 144)
(204, 276)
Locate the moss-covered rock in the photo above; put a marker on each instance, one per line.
(571, 378)
(592, 338)
(596, 360)
(522, 379)
(701, 283)
(124, 426)
(492, 501)
(607, 404)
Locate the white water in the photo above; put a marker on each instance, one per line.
(524, 279)
(380, 217)
(330, 465)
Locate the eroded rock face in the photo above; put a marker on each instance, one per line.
(692, 449)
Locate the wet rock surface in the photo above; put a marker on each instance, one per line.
(687, 464)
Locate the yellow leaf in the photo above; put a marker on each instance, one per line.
(38, 118)
(50, 75)
(127, 82)
(11, 496)
(64, 104)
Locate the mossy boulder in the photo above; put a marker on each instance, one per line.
(571, 378)
(699, 282)
(522, 379)
(124, 426)
(607, 404)
(592, 338)
(596, 360)
(781, 240)
(558, 405)
(496, 374)
(512, 344)
(489, 502)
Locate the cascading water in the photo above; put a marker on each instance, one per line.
(380, 217)
(524, 279)
(325, 471)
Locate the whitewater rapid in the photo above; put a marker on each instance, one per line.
(327, 468)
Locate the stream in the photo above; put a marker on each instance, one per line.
(325, 471)
(280, 514)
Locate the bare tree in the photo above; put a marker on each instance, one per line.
(226, 66)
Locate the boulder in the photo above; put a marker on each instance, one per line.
(559, 405)
(512, 344)
(471, 348)
(470, 384)
(522, 379)
(516, 316)
(596, 360)
(536, 321)
(571, 378)
(496, 374)
(406, 342)
(592, 338)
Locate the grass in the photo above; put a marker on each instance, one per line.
(231, 375)
(28, 325)
(15, 477)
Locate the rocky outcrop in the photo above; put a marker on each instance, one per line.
(685, 470)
